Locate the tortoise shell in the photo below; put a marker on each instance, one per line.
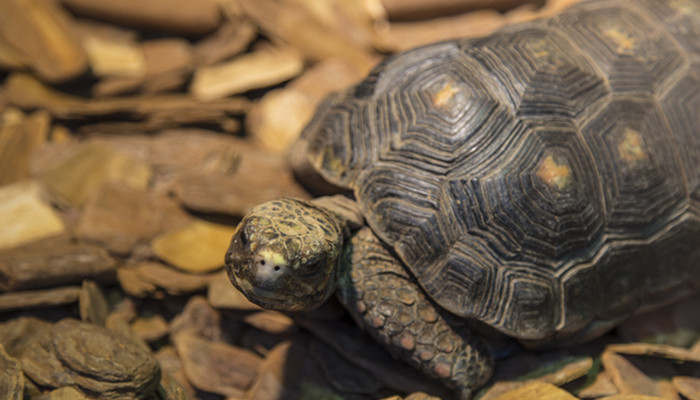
(543, 180)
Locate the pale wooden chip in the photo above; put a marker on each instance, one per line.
(90, 167)
(537, 391)
(41, 32)
(655, 350)
(26, 216)
(250, 71)
(688, 386)
(20, 136)
(197, 248)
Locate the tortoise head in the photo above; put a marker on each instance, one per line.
(283, 255)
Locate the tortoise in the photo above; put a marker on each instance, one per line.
(541, 182)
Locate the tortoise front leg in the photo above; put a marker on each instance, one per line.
(384, 299)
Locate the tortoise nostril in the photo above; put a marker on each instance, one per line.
(277, 267)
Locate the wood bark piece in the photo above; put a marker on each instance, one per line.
(198, 318)
(208, 365)
(64, 393)
(279, 117)
(231, 39)
(174, 381)
(249, 71)
(20, 136)
(629, 379)
(39, 298)
(296, 26)
(601, 386)
(26, 92)
(92, 166)
(150, 329)
(196, 248)
(422, 9)
(537, 391)
(222, 294)
(26, 216)
(400, 36)
(171, 280)
(114, 58)
(11, 376)
(270, 321)
(176, 16)
(54, 262)
(93, 304)
(237, 180)
(41, 31)
(92, 358)
(688, 386)
(120, 216)
(567, 369)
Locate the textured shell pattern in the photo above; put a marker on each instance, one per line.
(543, 179)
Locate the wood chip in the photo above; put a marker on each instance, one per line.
(655, 350)
(208, 365)
(688, 386)
(422, 9)
(278, 118)
(601, 386)
(222, 294)
(20, 135)
(196, 248)
(91, 167)
(175, 16)
(173, 381)
(150, 329)
(114, 57)
(132, 283)
(537, 391)
(26, 216)
(236, 182)
(26, 92)
(250, 71)
(11, 376)
(88, 359)
(566, 369)
(64, 393)
(119, 216)
(93, 304)
(315, 40)
(41, 32)
(170, 280)
(628, 378)
(270, 321)
(39, 298)
(198, 318)
(54, 262)
(232, 38)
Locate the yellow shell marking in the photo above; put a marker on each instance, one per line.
(553, 174)
(442, 98)
(631, 146)
(624, 40)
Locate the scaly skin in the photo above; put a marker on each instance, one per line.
(386, 301)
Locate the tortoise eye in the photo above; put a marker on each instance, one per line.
(311, 267)
(244, 238)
